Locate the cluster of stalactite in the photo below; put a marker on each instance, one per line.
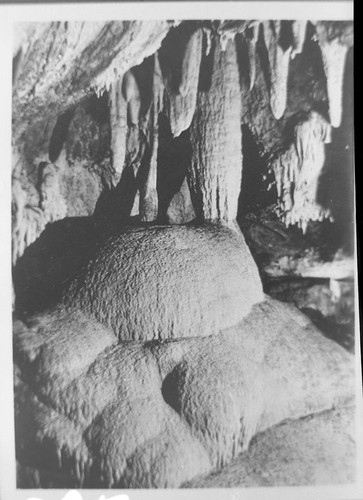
(177, 88)
(194, 79)
(297, 171)
(283, 41)
(135, 102)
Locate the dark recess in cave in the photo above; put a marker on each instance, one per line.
(257, 187)
(336, 188)
(174, 157)
(59, 134)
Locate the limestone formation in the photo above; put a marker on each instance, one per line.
(134, 414)
(297, 171)
(169, 282)
(279, 60)
(215, 173)
(148, 192)
(273, 461)
(182, 84)
(334, 48)
(251, 38)
(118, 122)
(299, 34)
(63, 61)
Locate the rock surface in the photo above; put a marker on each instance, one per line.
(91, 411)
(314, 451)
(169, 282)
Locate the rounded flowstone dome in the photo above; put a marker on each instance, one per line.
(169, 282)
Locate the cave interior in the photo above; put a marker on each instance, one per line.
(183, 253)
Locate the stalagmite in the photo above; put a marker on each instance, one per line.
(298, 33)
(118, 122)
(334, 54)
(148, 192)
(183, 98)
(251, 38)
(297, 171)
(215, 174)
(279, 60)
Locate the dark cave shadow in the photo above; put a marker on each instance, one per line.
(47, 266)
(255, 177)
(336, 183)
(115, 205)
(174, 158)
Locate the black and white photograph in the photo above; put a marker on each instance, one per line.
(183, 289)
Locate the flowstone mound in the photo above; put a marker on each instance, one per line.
(316, 450)
(169, 282)
(158, 414)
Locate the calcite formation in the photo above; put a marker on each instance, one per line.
(131, 414)
(118, 122)
(216, 138)
(169, 282)
(146, 352)
(298, 169)
(334, 46)
(279, 59)
(182, 84)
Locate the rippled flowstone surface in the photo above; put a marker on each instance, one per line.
(92, 411)
(169, 282)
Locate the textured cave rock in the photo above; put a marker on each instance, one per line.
(216, 138)
(132, 414)
(169, 282)
(318, 450)
(61, 61)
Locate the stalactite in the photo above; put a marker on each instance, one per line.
(298, 33)
(208, 40)
(183, 98)
(334, 54)
(297, 171)
(215, 174)
(251, 38)
(131, 94)
(158, 84)
(118, 122)
(148, 192)
(228, 30)
(279, 60)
